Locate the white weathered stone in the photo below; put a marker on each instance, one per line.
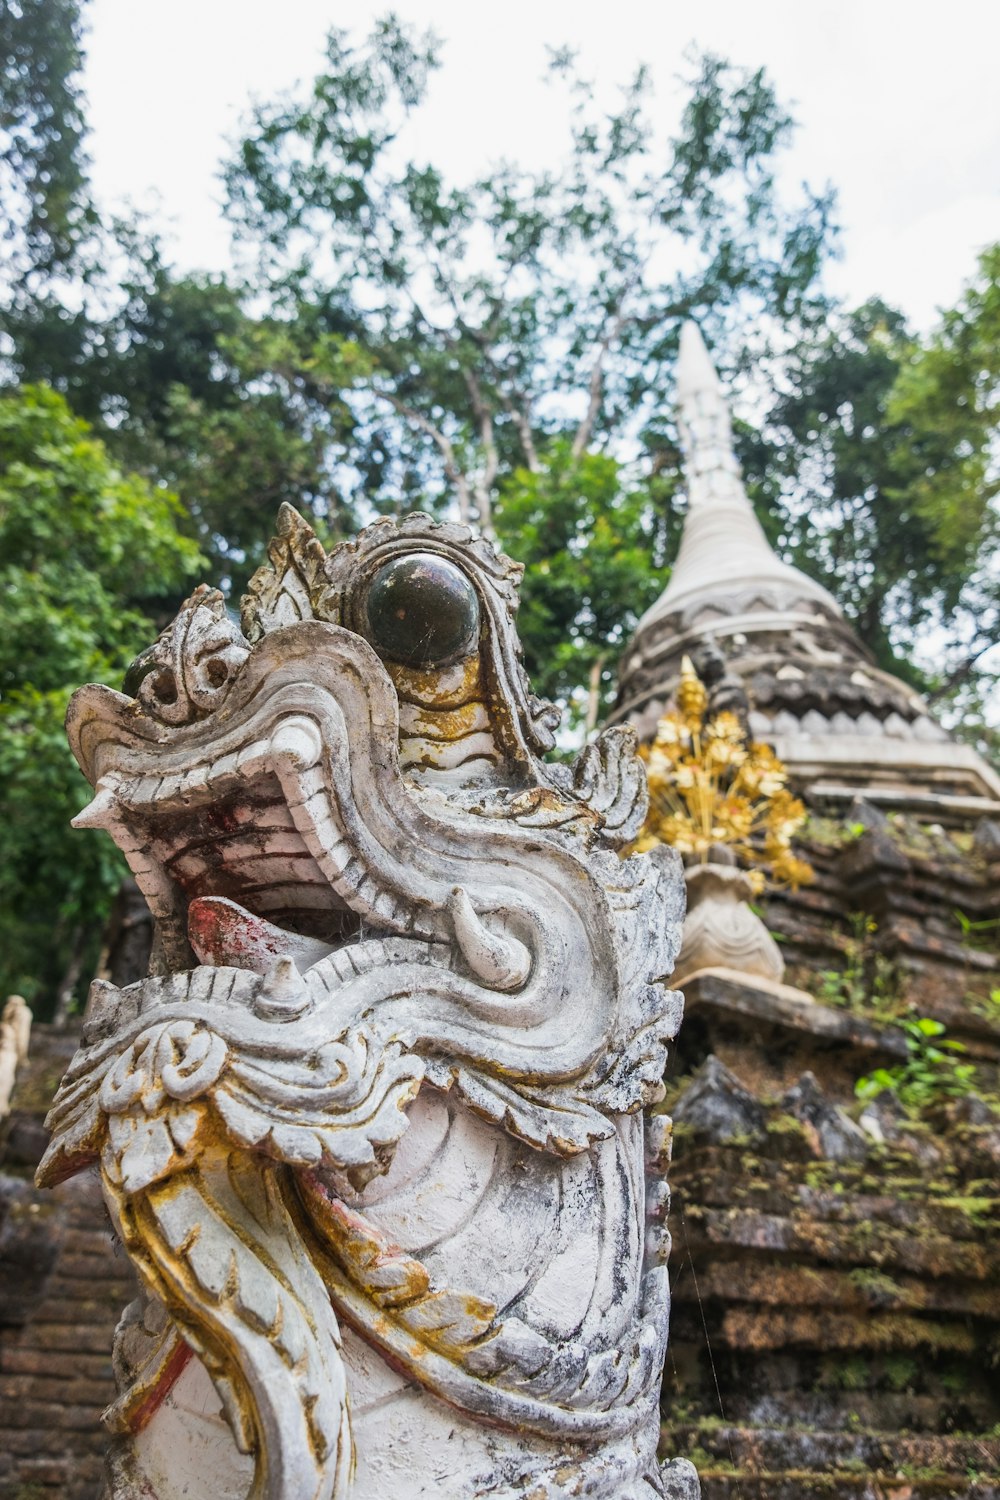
(721, 930)
(15, 1035)
(372, 1131)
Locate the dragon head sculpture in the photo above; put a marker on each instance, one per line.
(372, 1128)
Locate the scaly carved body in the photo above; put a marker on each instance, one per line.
(373, 1137)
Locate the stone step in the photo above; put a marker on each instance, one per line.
(784, 1449)
(878, 1411)
(866, 1243)
(792, 1285)
(791, 1485)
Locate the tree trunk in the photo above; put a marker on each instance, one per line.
(594, 695)
(68, 983)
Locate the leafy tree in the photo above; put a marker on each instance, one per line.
(44, 199)
(821, 469)
(165, 367)
(472, 347)
(945, 407)
(480, 345)
(404, 341)
(88, 555)
(877, 470)
(593, 546)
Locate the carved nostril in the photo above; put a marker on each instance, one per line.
(139, 669)
(164, 686)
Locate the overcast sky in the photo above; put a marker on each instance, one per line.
(898, 103)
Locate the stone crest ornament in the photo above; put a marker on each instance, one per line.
(372, 1130)
(721, 928)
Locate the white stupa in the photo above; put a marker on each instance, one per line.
(841, 724)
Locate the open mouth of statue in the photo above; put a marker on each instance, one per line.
(254, 891)
(238, 836)
(246, 857)
(261, 798)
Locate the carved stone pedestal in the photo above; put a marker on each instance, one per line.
(720, 930)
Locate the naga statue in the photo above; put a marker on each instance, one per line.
(372, 1129)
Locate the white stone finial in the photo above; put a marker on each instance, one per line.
(723, 547)
(705, 427)
(695, 370)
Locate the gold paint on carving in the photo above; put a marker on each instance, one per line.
(443, 1320)
(444, 687)
(708, 784)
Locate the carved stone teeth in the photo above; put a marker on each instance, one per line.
(283, 993)
(222, 770)
(101, 811)
(297, 743)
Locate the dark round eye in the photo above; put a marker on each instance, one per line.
(422, 610)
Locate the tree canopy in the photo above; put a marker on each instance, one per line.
(87, 552)
(45, 205)
(877, 467)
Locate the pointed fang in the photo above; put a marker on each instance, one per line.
(502, 963)
(100, 813)
(283, 996)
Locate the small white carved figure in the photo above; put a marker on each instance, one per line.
(372, 1130)
(15, 1035)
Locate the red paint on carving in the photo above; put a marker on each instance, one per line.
(223, 933)
(64, 1167)
(168, 1379)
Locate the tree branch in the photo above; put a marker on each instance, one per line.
(444, 447)
(516, 410)
(519, 417)
(585, 431)
(483, 485)
(961, 674)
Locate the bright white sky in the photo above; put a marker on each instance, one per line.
(898, 103)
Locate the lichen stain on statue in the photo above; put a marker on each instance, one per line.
(372, 1131)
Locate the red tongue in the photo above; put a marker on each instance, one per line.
(223, 933)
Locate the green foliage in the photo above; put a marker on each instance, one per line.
(501, 348)
(978, 934)
(481, 346)
(175, 378)
(901, 1372)
(402, 341)
(587, 541)
(931, 1074)
(867, 982)
(877, 466)
(86, 552)
(852, 1373)
(987, 1006)
(44, 201)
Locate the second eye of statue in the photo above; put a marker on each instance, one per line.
(422, 610)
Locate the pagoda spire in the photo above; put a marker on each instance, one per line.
(842, 725)
(723, 546)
